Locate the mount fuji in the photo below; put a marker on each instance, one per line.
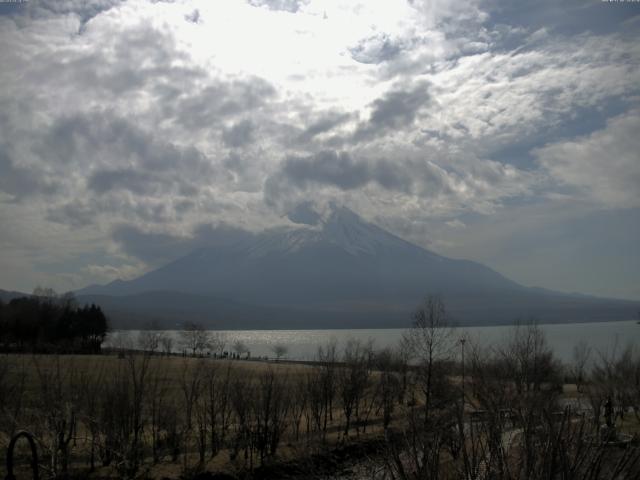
(341, 272)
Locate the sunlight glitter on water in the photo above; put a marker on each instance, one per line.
(603, 337)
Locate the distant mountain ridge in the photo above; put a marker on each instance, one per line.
(8, 295)
(341, 272)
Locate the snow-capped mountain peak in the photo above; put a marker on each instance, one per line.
(338, 227)
(344, 228)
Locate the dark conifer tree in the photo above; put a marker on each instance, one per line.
(49, 323)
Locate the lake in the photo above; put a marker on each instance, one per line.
(303, 344)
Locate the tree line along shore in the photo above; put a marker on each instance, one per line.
(46, 322)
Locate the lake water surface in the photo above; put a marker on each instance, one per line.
(303, 344)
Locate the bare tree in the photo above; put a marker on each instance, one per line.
(578, 368)
(156, 405)
(138, 369)
(58, 399)
(202, 408)
(615, 377)
(388, 385)
(529, 366)
(217, 390)
(327, 356)
(166, 342)
(239, 348)
(121, 341)
(149, 339)
(529, 358)
(217, 341)
(46, 294)
(353, 380)
(430, 341)
(121, 415)
(316, 411)
(242, 399)
(12, 395)
(270, 411)
(191, 378)
(299, 400)
(191, 386)
(279, 350)
(195, 338)
(170, 424)
(425, 432)
(91, 390)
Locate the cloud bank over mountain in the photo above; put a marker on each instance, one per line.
(132, 131)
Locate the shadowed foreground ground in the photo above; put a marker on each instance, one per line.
(363, 415)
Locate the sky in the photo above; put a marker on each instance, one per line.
(501, 131)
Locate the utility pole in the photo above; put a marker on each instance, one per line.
(463, 340)
(461, 421)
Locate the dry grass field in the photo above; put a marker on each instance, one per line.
(137, 415)
(203, 395)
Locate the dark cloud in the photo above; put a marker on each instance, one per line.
(60, 143)
(13, 8)
(375, 49)
(138, 60)
(21, 182)
(341, 170)
(84, 9)
(210, 106)
(325, 123)
(236, 163)
(80, 137)
(193, 17)
(291, 6)
(183, 206)
(398, 107)
(121, 179)
(582, 121)
(146, 63)
(239, 134)
(149, 247)
(81, 213)
(75, 214)
(242, 171)
(73, 138)
(113, 155)
(156, 248)
(395, 110)
(329, 167)
(568, 17)
(304, 213)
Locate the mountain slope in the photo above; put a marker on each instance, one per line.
(342, 272)
(8, 295)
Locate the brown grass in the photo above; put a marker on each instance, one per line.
(31, 368)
